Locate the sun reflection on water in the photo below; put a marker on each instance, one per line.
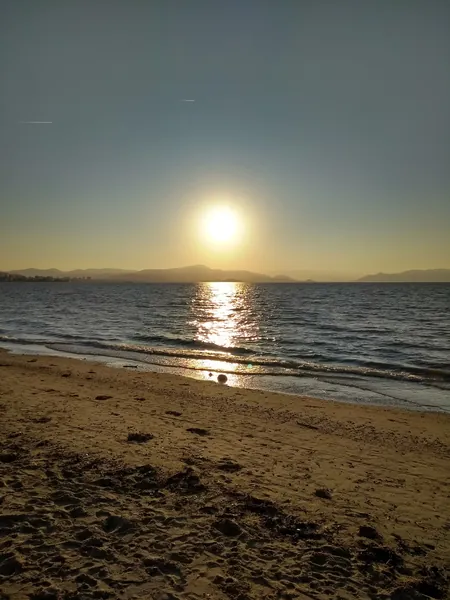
(223, 320)
(220, 301)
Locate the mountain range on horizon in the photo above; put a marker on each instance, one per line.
(190, 274)
(414, 275)
(200, 273)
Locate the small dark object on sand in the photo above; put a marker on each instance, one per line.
(103, 397)
(117, 524)
(139, 438)
(210, 375)
(198, 431)
(174, 413)
(42, 420)
(222, 378)
(228, 527)
(8, 457)
(307, 425)
(323, 493)
(186, 481)
(370, 532)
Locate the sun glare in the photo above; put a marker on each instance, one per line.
(220, 225)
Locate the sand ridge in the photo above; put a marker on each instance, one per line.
(121, 484)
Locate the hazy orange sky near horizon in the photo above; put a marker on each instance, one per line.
(324, 127)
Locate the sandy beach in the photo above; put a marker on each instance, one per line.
(116, 483)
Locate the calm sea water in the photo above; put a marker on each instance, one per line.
(369, 343)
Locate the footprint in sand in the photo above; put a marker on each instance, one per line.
(42, 420)
(117, 524)
(229, 465)
(10, 565)
(8, 457)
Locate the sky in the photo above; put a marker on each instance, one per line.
(324, 126)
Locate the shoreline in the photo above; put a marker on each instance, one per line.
(374, 391)
(228, 492)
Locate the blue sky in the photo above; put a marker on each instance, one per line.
(325, 125)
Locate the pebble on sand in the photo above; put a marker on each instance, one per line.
(324, 493)
(222, 378)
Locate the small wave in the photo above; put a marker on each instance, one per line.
(190, 343)
(11, 339)
(421, 372)
(282, 366)
(201, 353)
(435, 345)
(43, 340)
(259, 364)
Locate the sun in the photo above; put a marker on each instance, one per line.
(221, 225)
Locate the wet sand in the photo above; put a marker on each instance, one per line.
(116, 483)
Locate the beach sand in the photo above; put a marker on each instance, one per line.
(227, 493)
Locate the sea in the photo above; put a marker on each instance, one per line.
(380, 344)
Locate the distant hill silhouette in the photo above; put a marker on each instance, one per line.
(16, 277)
(317, 275)
(189, 274)
(195, 273)
(93, 273)
(419, 276)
